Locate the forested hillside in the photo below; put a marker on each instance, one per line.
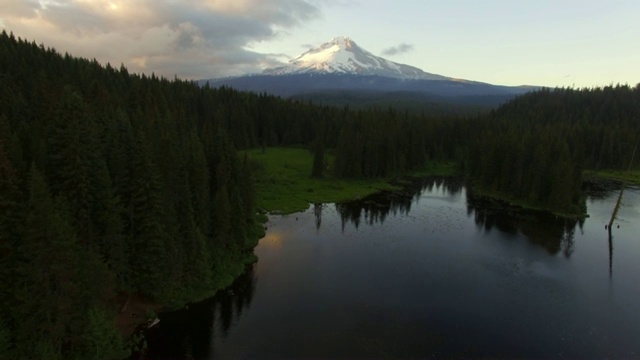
(535, 148)
(117, 183)
(110, 183)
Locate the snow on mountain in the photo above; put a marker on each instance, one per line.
(343, 55)
(342, 66)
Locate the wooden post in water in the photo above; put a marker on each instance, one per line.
(610, 255)
(613, 217)
(617, 207)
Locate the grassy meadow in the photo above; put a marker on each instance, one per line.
(284, 183)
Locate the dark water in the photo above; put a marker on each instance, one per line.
(431, 273)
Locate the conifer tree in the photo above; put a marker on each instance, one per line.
(6, 347)
(101, 341)
(108, 213)
(47, 270)
(71, 159)
(148, 260)
(318, 160)
(561, 188)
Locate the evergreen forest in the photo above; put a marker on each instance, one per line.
(116, 183)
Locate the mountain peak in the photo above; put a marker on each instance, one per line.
(342, 41)
(343, 55)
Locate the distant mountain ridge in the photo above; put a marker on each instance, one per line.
(342, 65)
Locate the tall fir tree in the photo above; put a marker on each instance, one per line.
(149, 238)
(47, 286)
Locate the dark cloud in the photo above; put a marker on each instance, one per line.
(191, 39)
(399, 49)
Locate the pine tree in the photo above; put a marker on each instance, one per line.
(107, 216)
(199, 182)
(6, 347)
(47, 271)
(101, 341)
(149, 238)
(561, 189)
(318, 160)
(221, 219)
(11, 221)
(71, 158)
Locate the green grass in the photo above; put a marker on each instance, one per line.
(284, 183)
(632, 176)
(436, 169)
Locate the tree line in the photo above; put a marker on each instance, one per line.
(535, 148)
(532, 150)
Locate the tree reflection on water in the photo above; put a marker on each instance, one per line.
(374, 209)
(192, 329)
(553, 233)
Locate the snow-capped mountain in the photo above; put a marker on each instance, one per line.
(342, 69)
(343, 56)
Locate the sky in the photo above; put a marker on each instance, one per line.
(554, 43)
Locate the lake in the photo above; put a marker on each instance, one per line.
(432, 272)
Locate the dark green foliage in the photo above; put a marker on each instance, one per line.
(378, 144)
(317, 169)
(534, 149)
(112, 182)
(413, 102)
(149, 233)
(12, 211)
(6, 350)
(108, 229)
(101, 341)
(47, 269)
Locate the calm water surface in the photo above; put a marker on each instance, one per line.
(431, 273)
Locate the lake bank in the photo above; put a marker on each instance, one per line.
(134, 312)
(631, 177)
(284, 184)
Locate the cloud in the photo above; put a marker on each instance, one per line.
(190, 39)
(399, 49)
